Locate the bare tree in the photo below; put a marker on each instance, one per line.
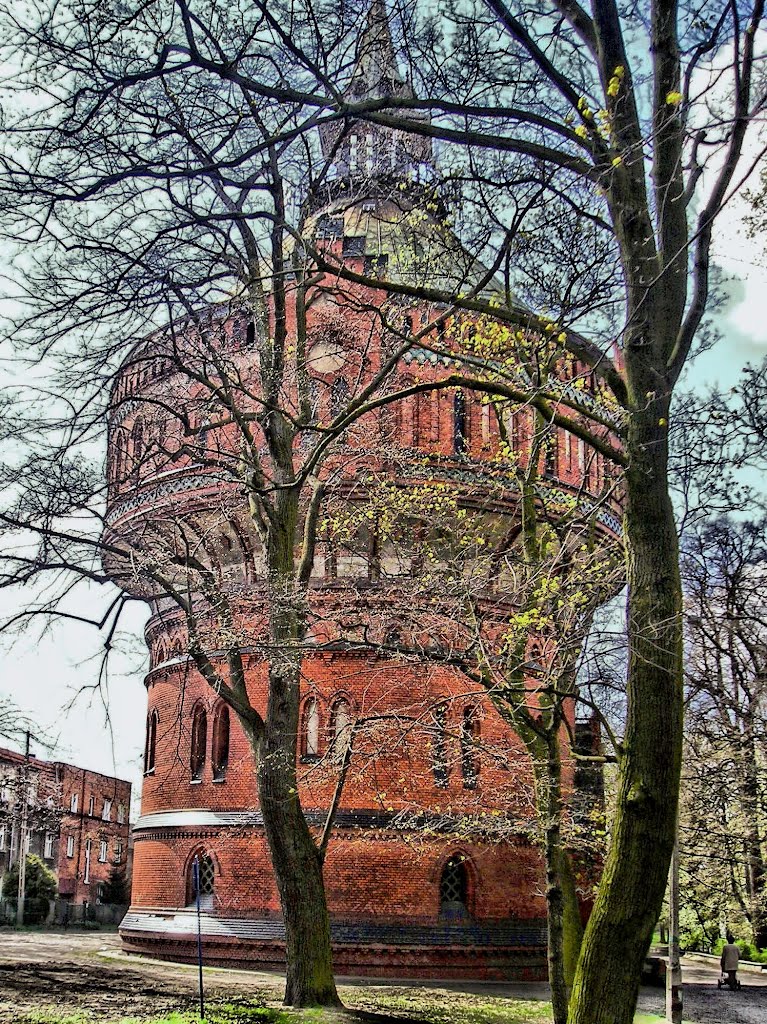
(184, 132)
(508, 600)
(723, 570)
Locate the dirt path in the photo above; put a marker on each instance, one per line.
(75, 972)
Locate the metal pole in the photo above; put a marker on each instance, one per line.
(674, 999)
(196, 871)
(21, 895)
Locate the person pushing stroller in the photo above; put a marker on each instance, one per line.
(729, 964)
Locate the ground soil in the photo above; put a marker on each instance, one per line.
(75, 972)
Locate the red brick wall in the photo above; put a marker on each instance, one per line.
(83, 826)
(371, 873)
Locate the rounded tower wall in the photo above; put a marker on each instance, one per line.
(432, 866)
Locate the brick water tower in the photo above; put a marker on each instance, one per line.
(418, 882)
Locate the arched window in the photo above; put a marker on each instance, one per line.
(340, 727)
(314, 400)
(454, 888)
(310, 730)
(151, 742)
(160, 652)
(339, 396)
(199, 742)
(220, 749)
(121, 456)
(469, 748)
(551, 454)
(460, 422)
(202, 872)
(204, 438)
(250, 335)
(137, 444)
(439, 746)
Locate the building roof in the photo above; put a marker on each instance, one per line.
(14, 757)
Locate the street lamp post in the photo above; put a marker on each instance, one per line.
(674, 970)
(21, 895)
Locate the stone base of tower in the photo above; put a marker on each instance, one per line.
(485, 951)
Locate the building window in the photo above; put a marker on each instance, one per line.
(460, 422)
(118, 851)
(454, 887)
(151, 742)
(121, 814)
(340, 727)
(137, 441)
(160, 653)
(121, 445)
(70, 846)
(569, 446)
(199, 742)
(106, 814)
(103, 851)
(201, 867)
(339, 397)
(310, 730)
(48, 854)
(220, 750)
(439, 746)
(551, 453)
(73, 803)
(92, 805)
(3, 837)
(470, 748)
(87, 871)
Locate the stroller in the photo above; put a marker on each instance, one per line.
(725, 981)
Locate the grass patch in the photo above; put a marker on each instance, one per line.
(443, 1006)
(364, 1006)
(652, 1018)
(239, 1012)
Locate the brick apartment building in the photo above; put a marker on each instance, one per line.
(77, 822)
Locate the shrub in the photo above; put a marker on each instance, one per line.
(40, 882)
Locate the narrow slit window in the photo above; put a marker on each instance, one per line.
(439, 747)
(221, 743)
(340, 727)
(470, 748)
(460, 423)
(310, 730)
(199, 742)
(151, 743)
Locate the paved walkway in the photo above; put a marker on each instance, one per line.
(93, 970)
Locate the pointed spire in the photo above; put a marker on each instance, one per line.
(376, 73)
(366, 156)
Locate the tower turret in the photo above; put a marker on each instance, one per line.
(363, 155)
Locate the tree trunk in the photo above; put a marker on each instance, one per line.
(572, 926)
(562, 916)
(631, 892)
(550, 811)
(755, 872)
(295, 858)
